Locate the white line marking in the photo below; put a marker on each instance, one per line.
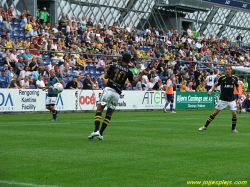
(24, 184)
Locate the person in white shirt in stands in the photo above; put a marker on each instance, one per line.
(198, 44)
(25, 83)
(55, 28)
(25, 72)
(39, 83)
(128, 28)
(190, 32)
(150, 85)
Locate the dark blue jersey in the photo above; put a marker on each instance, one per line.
(52, 81)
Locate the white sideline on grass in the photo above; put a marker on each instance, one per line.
(24, 184)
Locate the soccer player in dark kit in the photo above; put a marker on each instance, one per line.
(227, 83)
(117, 75)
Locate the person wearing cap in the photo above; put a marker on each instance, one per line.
(43, 15)
(4, 79)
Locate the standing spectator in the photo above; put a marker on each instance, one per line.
(4, 79)
(190, 32)
(16, 83)
(63, 21)
(72, 84)
(87, 83)
(7, 26)
(43, 15)
(239, 39)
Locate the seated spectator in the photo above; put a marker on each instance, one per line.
(27, 55)
(33, 65)
(79, 83)
(72, 84)
(7, 59)
(28, 26)
(12, 74)
(201, 87)
(81, 62)
(25, 72)
(149, 86)
(25, 83)
(139, 86)
(32, 32)
(16, 83)
(7, 26)
(87, 83)
(4, 79)
(45, 79)
(95, 85)
(40, 83)
(158, 85)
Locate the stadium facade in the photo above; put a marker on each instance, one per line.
(223, 18)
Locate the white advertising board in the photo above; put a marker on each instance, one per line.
(34, 100)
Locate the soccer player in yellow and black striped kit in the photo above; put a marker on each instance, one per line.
(227, 83)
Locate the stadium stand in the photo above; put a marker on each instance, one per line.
(183, 53)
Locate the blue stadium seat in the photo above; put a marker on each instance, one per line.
(46, 62)
(63, 30)
(46, 57)
(16, 34)
(32, 87)
(66, 80)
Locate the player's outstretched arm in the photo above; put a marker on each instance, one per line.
(212, 89)
(144, 72)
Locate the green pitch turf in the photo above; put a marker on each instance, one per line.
(141, 149)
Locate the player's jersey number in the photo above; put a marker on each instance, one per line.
(120, 75)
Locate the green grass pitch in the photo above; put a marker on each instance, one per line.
(141, 149)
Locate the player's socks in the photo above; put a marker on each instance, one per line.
(171, 107)
(166, 104)
(209, 120)
(105, 124)
(234, 122)
(240, 107)
(53, 113)
(98, 118)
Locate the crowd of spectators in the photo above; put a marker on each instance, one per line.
(80, 50)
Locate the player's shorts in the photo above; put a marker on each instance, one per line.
(51, 101)
(236, 96)
(169, 97)
(109, 98)
(223, 104)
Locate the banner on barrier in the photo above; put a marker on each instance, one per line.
(34, 100)
(196, 99)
